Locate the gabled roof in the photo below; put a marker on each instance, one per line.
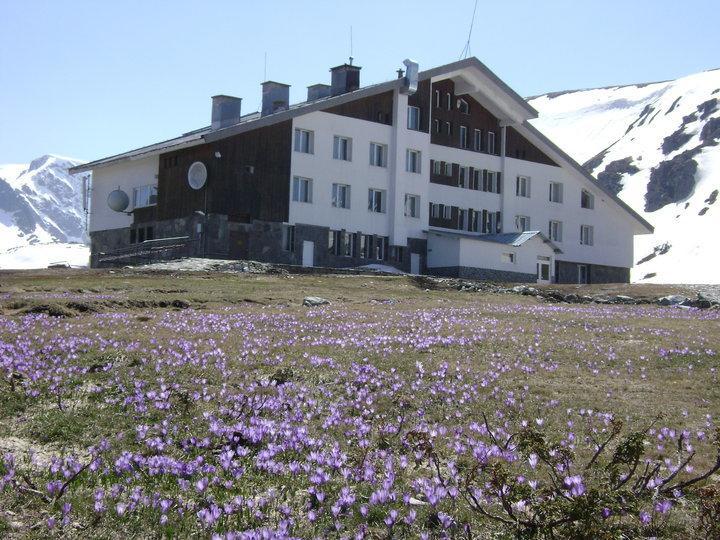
(537, 134)
(248, 122)
(515, 239)
(255, 120)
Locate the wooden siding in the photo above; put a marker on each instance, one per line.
(421, 100)
(478, 117)
(232, 188)
(378, 108)
(517, 146)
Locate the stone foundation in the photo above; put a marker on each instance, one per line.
(483, 274)
(567, 272)
(213, 236)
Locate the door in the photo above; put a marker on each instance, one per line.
(543, 272)
(415, 263)
(582, 274)
(308, 253)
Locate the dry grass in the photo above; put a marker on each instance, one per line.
(560, 358)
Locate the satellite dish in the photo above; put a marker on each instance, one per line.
(197, 175)
(118, 200)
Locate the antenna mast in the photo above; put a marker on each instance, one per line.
(466, 51)
(265, 68)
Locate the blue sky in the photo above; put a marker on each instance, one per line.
(88, 79)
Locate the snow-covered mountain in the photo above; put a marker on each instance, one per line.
(656, 146)
(42, 220)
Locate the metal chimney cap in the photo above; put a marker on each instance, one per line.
(275, 83)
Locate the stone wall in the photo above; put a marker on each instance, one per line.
(567, 272)
(213, 236)
(484, 274)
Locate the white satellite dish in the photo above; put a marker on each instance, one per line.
(118, 200)
(197, 175)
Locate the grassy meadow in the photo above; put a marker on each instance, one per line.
(153, 405)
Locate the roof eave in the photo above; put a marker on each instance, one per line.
(580, 169)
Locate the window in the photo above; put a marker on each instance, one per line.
(448, 101)
(448, 128)
(436, 122)
(342, 148)
(397, 253)
(522, 223)
(522, 186)
(508, 258)
(477, 140)
(434, 210)
(448, 169)
(376, 200)
(491, 182)
(334, 242)
(412, 161)
(490, 142)
(412, 206)
(413, 118)
(304, 140)
(555, 231)
(302, 189)
(144, 196)
(341, 196)
(437, 99)
(348, 244)
(476, 179)
(587, 200)
(446, 211)
(586, 235)
(365, 245)
(463, 106)
(378, 154)
(490, 222)
(462, 219)
(583, 274)
(436, 167)
(473, 220)
(464, 179)
(463, 137)
(288, 238)
(381, 244)
(556, 192)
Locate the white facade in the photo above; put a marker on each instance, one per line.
(454, 251)
(127, 176)
(611, 226)
(612, 240)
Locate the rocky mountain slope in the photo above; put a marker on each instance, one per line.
(657, 146)
(42, 220)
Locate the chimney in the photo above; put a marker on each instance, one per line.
(225, 111)
(344, 78)
(275, 97)
(318, 91)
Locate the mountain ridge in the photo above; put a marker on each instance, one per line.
(41, 213)
(655, 145)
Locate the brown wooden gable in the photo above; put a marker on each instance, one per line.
(518, 147)
(478, 117)
(250, 180)
(377, 108)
